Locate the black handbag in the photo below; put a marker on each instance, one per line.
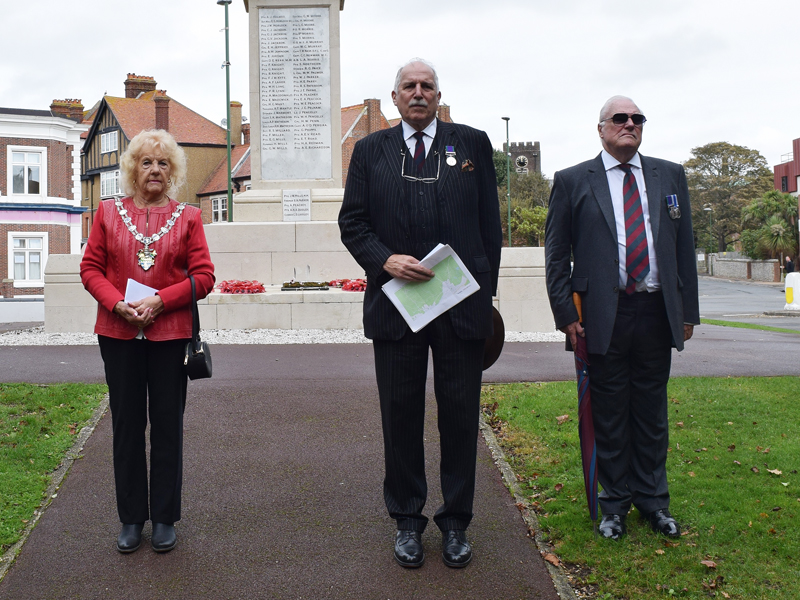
(198, 355)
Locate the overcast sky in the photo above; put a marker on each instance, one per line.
(701, 70)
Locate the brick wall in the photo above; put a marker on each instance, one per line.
(58, 243)
(59, 165)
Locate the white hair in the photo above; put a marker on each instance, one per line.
(411, 62)
(607, 106)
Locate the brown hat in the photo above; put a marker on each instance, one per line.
(494, 344)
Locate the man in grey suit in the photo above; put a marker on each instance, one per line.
(625, 220)
(408, 189)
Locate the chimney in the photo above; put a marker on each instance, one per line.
(236, 123)
(444, 113)
(69, 109)
(246, 133)
(137, 84)
(162, 110)
(373, 114)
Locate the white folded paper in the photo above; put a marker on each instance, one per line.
(137, 291)
(420, 302)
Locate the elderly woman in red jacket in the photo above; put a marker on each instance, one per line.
(149, 238)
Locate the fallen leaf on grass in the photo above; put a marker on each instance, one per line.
(732, 447)
(786, 484)
(709, 563)
(754, 469)
(725, 594)
(659, 551)
(774, 471)
(690, 473)
(679, 423)
(551, 558)
(558, 487)
(736, 462)
(562, 419)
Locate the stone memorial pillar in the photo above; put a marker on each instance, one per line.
(295, 111)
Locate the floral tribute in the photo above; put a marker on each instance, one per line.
(350, 285)
(235, 286)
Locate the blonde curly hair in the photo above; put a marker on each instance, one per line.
(163, 141)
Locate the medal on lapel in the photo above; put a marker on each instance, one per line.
(672, 205)
(450, 152)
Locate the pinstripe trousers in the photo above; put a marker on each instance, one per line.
(401, 368)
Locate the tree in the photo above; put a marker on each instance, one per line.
(530, 195)
(500, 168)
(725, 178)
(771, 226)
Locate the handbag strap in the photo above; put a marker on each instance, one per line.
(195, 317)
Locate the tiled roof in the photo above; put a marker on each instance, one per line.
(217, 181)
(186, 126)
(350, 116)
(394, 122)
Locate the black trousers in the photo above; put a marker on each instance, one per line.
(629, 406)
(401, 368)
(146, 378)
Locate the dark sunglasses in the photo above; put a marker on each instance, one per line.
(622, 118)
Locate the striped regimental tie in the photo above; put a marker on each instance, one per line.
(419, 151)
(636, 257)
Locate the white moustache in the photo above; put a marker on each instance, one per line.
(421, 102)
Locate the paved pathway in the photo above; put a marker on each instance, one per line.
(282, 493)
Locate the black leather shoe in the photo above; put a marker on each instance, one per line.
(663, 522)
(408, 551)
(456, 551)
(163, 538)
(612, 527)
(130, 538)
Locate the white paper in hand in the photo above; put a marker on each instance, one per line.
(420, 302)
(137, 291)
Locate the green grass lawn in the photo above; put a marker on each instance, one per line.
(733, 474)
(38, 424)
(748, 326)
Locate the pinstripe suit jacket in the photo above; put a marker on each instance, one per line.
(581, 225)
(376, 217)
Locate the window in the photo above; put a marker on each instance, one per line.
(219, 209)
(784, 184)
(108, 142)
(109, 184)
(27, 256)
(26, 169)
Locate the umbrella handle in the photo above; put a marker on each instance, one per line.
(576, 298)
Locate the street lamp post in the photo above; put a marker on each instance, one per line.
(508, 179)
(227, 65)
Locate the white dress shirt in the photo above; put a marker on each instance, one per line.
(615, 175)
(411, 141)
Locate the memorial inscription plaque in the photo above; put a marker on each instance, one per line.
(296, 205)
(295, 93)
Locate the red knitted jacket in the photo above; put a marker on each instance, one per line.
(110, 259)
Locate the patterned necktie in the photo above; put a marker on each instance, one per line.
(637, 260)
(419, 151)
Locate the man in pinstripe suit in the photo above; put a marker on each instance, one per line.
(408, 189)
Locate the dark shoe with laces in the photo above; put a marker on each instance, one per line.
(456, 550)
(408, 551)
(663, 522)
(130, 538)
(612, 527)
(163, 538)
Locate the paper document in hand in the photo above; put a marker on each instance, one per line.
(137, 291)
(420, 302)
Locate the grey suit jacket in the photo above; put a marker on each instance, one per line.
(580, 223)
(375, 222)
